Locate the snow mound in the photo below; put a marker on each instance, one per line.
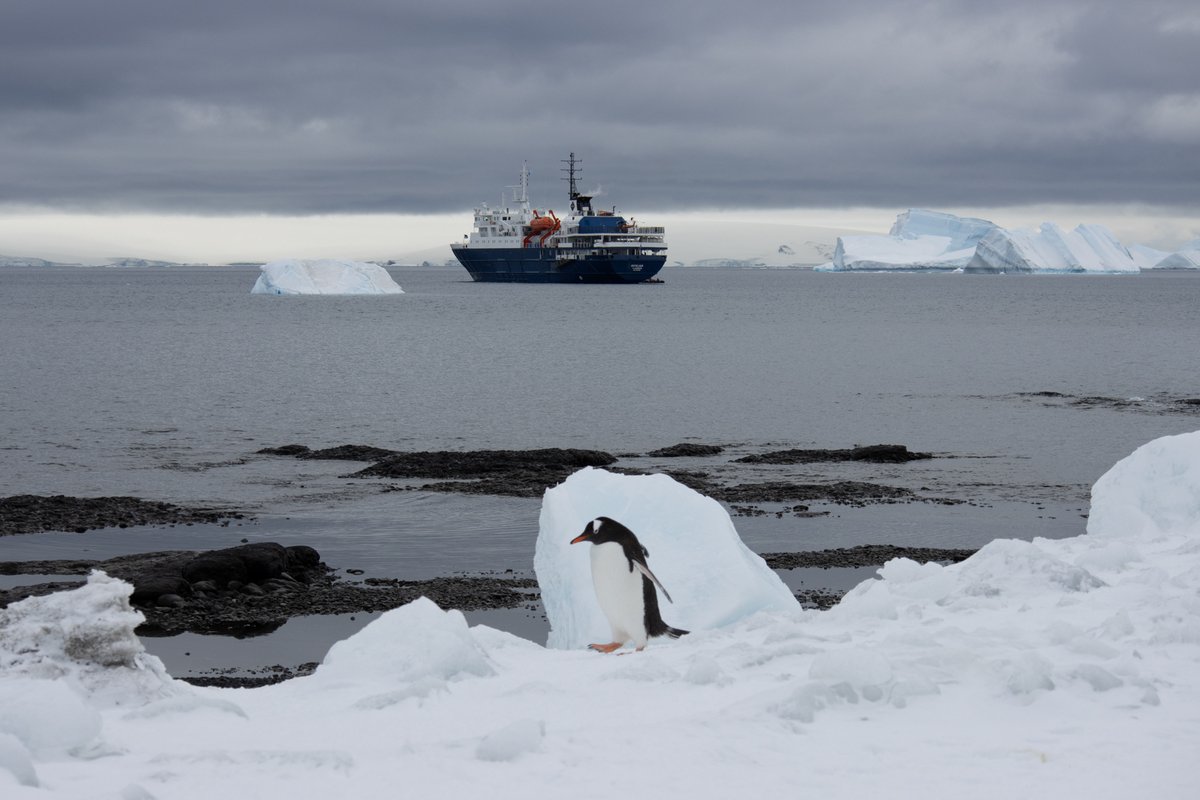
(417, 643)
(84, 637)
(324, 276)
(713, 578)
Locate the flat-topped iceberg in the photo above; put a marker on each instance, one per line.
(919, 239)
(324, 276)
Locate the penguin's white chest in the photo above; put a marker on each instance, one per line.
(619, 592)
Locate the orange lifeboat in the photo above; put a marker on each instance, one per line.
(543, 226)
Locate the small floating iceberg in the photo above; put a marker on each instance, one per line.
(324, 276)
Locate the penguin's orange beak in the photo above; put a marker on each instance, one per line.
(583, 537)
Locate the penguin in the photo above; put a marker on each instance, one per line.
(624, 585)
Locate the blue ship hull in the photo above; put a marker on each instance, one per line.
(544, 265)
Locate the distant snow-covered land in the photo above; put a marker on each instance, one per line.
(934, 240)
(1039, 669)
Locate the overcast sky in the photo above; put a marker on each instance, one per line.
(290, 107)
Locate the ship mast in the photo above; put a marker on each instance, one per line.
(579, 202)
(521, 198)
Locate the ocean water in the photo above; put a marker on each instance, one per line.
(162, 383)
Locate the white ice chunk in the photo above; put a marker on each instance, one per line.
(324, 276)
(713, 578)
(1155, 489)
(415, 642)
(84, 636)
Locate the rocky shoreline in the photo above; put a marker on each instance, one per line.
(253, 589)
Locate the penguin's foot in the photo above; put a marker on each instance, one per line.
(604, 648)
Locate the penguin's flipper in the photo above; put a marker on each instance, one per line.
(646, 571)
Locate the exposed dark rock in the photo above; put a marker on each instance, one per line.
(153, 588)
(1152, 403)
(842, 492)
(349, 452)
(266, 676)
(518, 483)
(219, 567)
(27, 513)
(251, 608)
(875, 453)
(867, 555)
(447, 464)
(285, 450)
(687, 450)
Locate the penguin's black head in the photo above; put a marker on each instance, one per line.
(606, 529)
(590, 530)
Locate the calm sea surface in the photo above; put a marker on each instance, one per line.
(162, 383)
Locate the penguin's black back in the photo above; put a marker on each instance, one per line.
(654, 621)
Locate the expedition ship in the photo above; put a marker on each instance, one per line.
(518, 243)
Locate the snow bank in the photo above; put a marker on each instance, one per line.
(1050, 668)
(713, 578)
(324, 276)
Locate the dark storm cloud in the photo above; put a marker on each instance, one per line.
(290, 106)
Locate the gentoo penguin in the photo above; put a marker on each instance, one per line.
(624, 585)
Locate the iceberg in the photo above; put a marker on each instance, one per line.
(1186, 257)
(919, 240)
(713, 578)
(922, 240)
(1088, 248)
(324, 276)
(1146, 257)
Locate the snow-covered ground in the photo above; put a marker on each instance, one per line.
(1044, 669)
(324, 276)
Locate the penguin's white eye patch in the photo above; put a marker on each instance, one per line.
(595, 526)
